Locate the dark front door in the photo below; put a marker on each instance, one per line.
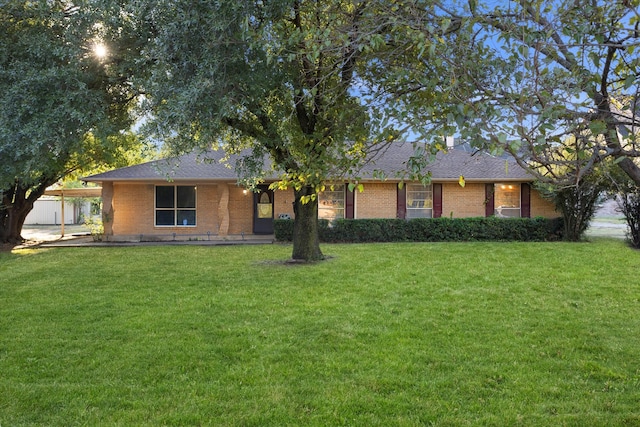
(263, 211)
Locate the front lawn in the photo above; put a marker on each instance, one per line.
(447, 334)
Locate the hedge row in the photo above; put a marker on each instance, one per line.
(430, 230)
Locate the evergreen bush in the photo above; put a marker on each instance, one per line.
(430, 230)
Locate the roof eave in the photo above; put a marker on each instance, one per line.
(447, 180)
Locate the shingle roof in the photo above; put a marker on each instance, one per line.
(193, 166)
(450, 165)
(447, 166)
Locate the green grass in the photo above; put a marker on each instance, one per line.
(379, 335)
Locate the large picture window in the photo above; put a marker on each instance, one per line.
(507, 200)
(331, 203)
(175, 206)
(419, 201)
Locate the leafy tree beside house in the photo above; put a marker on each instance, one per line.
(577, 203)
(531, 76)
(62, 108)
(283, 78)
(573, 182)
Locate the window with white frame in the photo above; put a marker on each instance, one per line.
(175, 206)
(507, 200)
(331, 202)
(419, 201)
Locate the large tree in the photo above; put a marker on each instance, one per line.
(283, 79)
(531, 77)
(62, 106)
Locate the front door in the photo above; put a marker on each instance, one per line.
(263, 211)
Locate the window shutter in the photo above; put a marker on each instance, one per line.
(437, 200)
(349, 197)
(525, 200)
(401, 208)
(489, 207)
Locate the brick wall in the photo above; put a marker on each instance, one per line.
(133, 211)
(206, 209)
(283, 203)
(133, 206)
(463, 202)
(541, 206)
(240, 210)
(378, 200)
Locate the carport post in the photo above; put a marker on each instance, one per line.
(62, 213)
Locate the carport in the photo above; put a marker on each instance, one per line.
(72, 192)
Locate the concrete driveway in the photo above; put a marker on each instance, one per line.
(45, 233)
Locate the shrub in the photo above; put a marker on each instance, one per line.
(430, 230)
(283, 229)
(577, 203)
(96, 227)
(629, 204)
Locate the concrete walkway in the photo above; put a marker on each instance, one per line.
(43, 233)
(49, 236)
(88, 241)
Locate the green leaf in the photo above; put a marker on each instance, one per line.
(629, 81)
(597, 127)
(524, 51)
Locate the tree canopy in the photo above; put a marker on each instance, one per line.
(532, 78)
(285, 79)
(62, 108)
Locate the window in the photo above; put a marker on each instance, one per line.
(507, 200)
(419, 201)
(265, 207)
(331, 202)
(175, 206)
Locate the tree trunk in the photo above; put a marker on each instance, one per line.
(306, 243)
(631, 169)
(11, 229)
(14, 208)
(603, 107)
(13, 218)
